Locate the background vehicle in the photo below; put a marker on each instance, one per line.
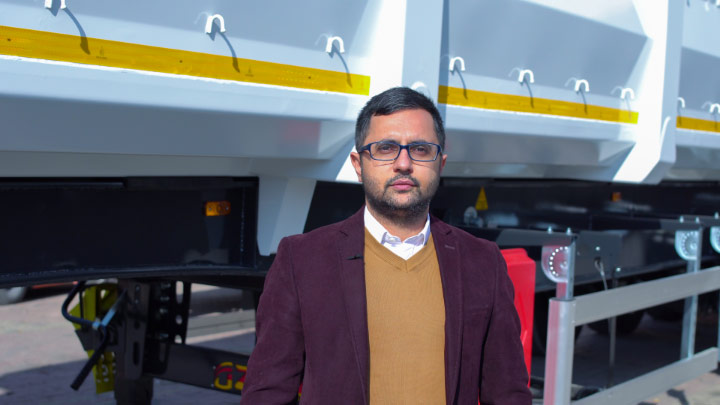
(173, 142)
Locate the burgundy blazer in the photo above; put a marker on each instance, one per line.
(312, 321)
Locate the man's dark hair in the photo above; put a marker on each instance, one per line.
(391, 101)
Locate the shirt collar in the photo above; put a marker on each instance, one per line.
(384, 237)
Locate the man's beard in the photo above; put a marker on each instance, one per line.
(400, 213)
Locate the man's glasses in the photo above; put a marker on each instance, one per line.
(389, 150)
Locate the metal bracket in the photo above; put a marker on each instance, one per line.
(713, 108)
(168, 320)
(209, 23)
(580, 83)
(331, 41)
(131, 345)
(49, 4)
(627, 92)
(526, 76)
(454, 61)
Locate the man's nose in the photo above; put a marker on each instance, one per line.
(403, 163)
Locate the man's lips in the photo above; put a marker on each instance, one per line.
(402, 185)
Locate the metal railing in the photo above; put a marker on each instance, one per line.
(567, 311)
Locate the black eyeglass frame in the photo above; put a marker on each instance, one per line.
(407, 147)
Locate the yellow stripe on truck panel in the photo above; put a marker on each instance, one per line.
(101, 52)
(507, 102)
(697, 124)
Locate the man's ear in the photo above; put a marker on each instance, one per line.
(357, 164)
(442, 162)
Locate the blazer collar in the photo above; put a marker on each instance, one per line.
(448, 255)
(351, 245)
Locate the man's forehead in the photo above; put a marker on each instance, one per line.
(416, 122)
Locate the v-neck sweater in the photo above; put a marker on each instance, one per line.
(406, 325)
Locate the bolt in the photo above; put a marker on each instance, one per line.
(163, 311)
(568, 231)
(597, 248)
(617, 269)
(549, 230)
(164, 298)
(165, 285)
(162, 336)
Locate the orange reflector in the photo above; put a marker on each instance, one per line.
(616, 196)
(217, 208)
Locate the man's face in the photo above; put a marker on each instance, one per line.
(401, 187)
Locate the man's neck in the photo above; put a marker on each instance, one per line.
(402, 227)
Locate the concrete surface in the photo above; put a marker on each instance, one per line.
(41, 354)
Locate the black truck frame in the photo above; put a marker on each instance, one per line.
(154, 237)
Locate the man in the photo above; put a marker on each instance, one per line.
(390, 306)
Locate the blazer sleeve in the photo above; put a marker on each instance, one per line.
(276, 364)
(504, 374)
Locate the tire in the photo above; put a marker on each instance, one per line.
(625, 324)
(12, 295)
(670, 312)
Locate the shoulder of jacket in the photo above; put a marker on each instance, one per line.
(467, 238)
(327, 232)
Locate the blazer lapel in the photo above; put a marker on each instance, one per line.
(351, 245)
(448, 255)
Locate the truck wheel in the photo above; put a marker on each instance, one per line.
(12, 295)
(625, 324)
(670, 312)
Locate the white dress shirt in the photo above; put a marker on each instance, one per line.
(403, 248)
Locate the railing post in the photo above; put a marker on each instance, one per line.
(561, 339)
(687, 346)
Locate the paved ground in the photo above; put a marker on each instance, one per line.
(41, 355)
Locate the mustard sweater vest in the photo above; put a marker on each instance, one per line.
(406, 325)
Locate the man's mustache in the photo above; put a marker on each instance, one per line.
(402, 177)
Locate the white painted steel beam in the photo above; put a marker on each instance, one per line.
(658, 74)
(605, 304)
(640, 388)
(283, 205)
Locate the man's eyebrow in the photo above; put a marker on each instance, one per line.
(409, 143)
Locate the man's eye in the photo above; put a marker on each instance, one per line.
(386, 148)
(421, 150)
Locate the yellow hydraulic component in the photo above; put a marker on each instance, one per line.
(96, 301)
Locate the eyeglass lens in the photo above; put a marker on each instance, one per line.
(391, 150)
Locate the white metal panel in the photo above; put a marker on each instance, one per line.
(620, 47)
(698, 146)
(498, 39)
(270, 31)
